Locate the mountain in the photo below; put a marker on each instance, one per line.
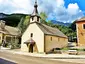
(12, 19)
(2, 15)
(60, 23)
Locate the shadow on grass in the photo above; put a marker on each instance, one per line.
(3, 61)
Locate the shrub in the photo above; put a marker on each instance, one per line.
(14, 44)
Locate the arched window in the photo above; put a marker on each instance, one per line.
(31, 35)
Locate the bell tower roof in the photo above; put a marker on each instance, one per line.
(35, 12)
(34, 16)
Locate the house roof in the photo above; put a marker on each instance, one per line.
(81, 19)
(10, 30)
(13, 30)
(50, 30)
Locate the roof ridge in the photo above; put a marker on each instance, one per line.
(46, 28)
(50, 30)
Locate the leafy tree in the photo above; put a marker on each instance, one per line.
(20, 25)
(26, 21)
(43, 17)
(73, 26)
(23, 23)
(14, 43)
(50, 23)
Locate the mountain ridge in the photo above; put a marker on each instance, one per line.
(60, 23)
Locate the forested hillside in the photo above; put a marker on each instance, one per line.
(12, 19)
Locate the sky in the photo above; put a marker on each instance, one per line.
(60, 10)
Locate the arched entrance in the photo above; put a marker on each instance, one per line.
(31, 48)
(31, 45)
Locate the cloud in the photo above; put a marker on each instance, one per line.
(73, 9)
(74, 12)
(13, 6)
(69, 14)
(59, 3)
(24, 6)
(0, 1)
(55, 9)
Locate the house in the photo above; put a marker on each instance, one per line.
(80, 26)
(41, 38)
(8, 33)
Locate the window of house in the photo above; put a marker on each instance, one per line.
(83, 26)
(31, 35)
(51, 38)
(8, 39)
(32, 18)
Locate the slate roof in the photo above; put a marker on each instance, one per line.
(81, 19)
(11, 30)
(50, 30)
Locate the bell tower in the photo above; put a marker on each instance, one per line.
(35, 16)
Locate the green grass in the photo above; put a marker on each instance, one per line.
(66, 48)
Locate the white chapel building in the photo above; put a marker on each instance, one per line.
(41, 38)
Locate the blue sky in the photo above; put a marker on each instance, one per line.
(61, 10)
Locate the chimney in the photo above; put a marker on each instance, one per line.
(2, 25)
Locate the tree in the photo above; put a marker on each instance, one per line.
(49, 23)
(13, 19)
(24, 22)
(20, 25)
(43, 17)
(73, 26)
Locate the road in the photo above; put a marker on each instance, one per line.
(10, 58)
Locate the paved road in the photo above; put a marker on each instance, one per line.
(81, 61)
(9, 58)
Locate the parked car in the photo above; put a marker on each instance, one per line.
(73, 52)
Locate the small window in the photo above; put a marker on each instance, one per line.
(37, 18)
(32, 18)
(31, 35)
(83, 26)
(51, 38)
